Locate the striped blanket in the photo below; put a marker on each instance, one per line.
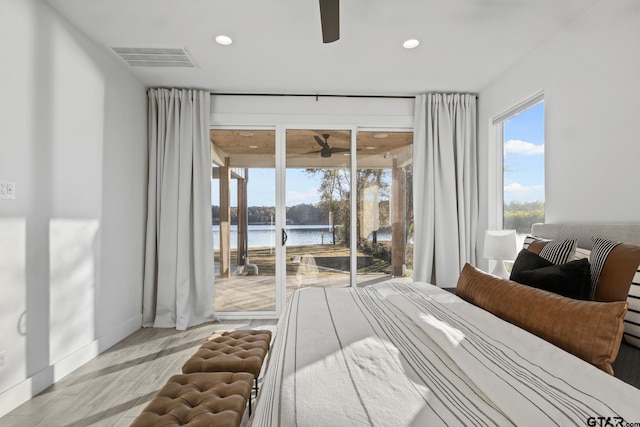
(401, 354)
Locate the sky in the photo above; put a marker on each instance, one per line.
(523, 177)
(301, 188)
(524, 156)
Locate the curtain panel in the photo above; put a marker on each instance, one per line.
(179, 271)
(445, 166)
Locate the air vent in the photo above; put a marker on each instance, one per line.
(155, 57)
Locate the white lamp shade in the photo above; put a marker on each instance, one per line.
(500, 244)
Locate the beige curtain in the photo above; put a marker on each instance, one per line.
(178, 276)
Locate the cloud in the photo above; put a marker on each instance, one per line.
(518, 190)
(515, 146)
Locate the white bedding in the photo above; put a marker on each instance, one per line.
(411, 354)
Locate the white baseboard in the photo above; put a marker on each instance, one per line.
(25, 390)
(119, 332)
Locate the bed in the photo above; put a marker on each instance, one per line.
(402, 354)
(627, 364)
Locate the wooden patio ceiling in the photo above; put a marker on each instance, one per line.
(256, 148)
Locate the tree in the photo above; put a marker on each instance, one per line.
(305, 214)
(377, 179)
(335, 192)
(335, 188)
(521, 215)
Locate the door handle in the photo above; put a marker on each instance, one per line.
(284, 237)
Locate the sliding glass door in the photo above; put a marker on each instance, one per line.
(328, 244)
(295, 207)
(384, 206)
(243, 213)
(318, 213)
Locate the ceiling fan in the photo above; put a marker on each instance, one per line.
(326, 150)
(330, 19)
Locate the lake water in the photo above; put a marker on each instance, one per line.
(264, 235)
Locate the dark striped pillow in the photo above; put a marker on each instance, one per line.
(555, 251)
(601, 250)
(559, 251)
(632, 319)
(614, 266)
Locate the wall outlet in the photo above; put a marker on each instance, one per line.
(7, 190)
(3, 359)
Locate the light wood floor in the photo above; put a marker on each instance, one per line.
(113, 388)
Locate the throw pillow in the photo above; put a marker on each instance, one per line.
(527, 260)
(571, 279)
(632, 319)
(556, 251)
(613, 266)
(590, 330)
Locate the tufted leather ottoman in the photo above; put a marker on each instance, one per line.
(201, 399)
(236, 351)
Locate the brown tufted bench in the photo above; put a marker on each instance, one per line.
(235, 351)
(201, 399)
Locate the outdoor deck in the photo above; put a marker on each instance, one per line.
(257, 293)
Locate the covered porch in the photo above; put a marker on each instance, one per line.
(245, 279)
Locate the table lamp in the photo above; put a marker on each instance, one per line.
(500, 245)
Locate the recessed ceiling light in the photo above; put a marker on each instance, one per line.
(253, 146)
(380, 135)
(224, 40)
(245, 133)
(369, 147)
(410, 44)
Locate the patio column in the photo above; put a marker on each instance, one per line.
(398, 218)
(225, 219)
(243, 228)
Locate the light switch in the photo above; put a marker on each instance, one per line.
(3, 190)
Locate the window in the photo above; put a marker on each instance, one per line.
(523, 167)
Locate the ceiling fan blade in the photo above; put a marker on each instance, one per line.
(330, 18)
(320, 142)
(339, 150)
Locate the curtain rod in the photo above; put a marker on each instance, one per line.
(315, 95)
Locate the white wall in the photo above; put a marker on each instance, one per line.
(300, 111)
(589, 72)
(72, 138)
